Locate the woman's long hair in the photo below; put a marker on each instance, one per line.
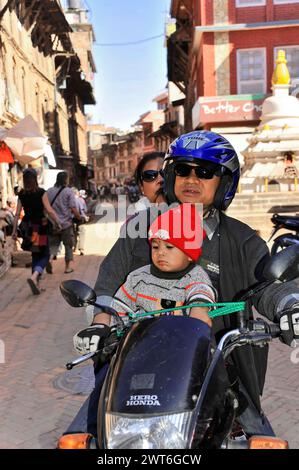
(30, 181)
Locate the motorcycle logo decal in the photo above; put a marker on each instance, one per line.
(139, 400)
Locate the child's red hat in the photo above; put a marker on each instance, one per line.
(181, 227)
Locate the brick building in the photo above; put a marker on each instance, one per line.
(42, 74)
(80, 90)
(150, 123)
(30, 34)
(222, 57)
(115, 154)
(173, 116)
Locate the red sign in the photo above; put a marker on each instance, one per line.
(230, 108)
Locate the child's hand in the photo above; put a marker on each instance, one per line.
(201, 313)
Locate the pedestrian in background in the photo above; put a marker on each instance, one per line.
(35, 203)
(63, 200)
(79, 230)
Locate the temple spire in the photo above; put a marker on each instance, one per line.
(281, 74)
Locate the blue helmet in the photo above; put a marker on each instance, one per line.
(204, 148)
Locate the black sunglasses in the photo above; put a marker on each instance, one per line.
(184, 170)
(151, 175)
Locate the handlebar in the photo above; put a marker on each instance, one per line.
(257, 332)
(106, 350)
(80, 359)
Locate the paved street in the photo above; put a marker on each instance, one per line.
(38, 398)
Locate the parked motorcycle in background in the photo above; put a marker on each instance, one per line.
(287, 222)
(167, 385)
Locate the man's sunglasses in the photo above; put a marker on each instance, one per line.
(151, 175)
(207, 173)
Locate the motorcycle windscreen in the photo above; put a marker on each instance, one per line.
(160, 366)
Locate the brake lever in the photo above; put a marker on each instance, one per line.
(79, 360)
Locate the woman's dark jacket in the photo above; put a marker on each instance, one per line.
(242, 257)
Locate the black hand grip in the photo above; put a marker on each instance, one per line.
(274, 330)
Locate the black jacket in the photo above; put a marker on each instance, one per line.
(242, 257)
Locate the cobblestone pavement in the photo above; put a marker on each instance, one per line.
(38, 398)
(37, 332)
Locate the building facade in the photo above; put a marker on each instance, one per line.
(115, 154)
(42, 74)
(81, 84)
(222, 57)
(30, 34)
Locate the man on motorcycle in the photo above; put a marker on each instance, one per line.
(203, 167)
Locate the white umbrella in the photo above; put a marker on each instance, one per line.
(25, 140)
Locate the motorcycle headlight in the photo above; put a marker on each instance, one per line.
(156, 432)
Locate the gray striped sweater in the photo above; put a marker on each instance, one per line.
(148, 289)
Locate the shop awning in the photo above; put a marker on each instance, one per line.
(25, 140)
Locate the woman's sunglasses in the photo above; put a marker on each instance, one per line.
(184, 170)
(151, 175)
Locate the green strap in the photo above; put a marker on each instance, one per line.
(226, 309)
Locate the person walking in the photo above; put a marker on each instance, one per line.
(35, 203)
(63, 200)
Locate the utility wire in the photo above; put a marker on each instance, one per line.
(128, 43)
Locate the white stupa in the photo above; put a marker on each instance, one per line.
(273, 150)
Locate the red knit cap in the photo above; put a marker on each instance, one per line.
(181, 227)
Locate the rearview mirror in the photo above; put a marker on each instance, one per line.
(284, 265)
(77, 294)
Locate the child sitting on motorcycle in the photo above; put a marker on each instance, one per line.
(172, 280)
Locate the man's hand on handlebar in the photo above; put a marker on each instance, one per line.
(289, 325)
(91, 339)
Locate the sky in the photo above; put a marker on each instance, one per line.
(128, 77)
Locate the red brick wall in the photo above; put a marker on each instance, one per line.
(231, 11)
(196, 13)
(289, 11)
(206, 67)
(251, 14)
(268, 12)
(268, 38)
(207, 7)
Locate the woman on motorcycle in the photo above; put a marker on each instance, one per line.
(202, 167)
(148, 177)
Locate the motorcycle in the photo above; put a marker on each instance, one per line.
(286, 239)
(167, 386)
